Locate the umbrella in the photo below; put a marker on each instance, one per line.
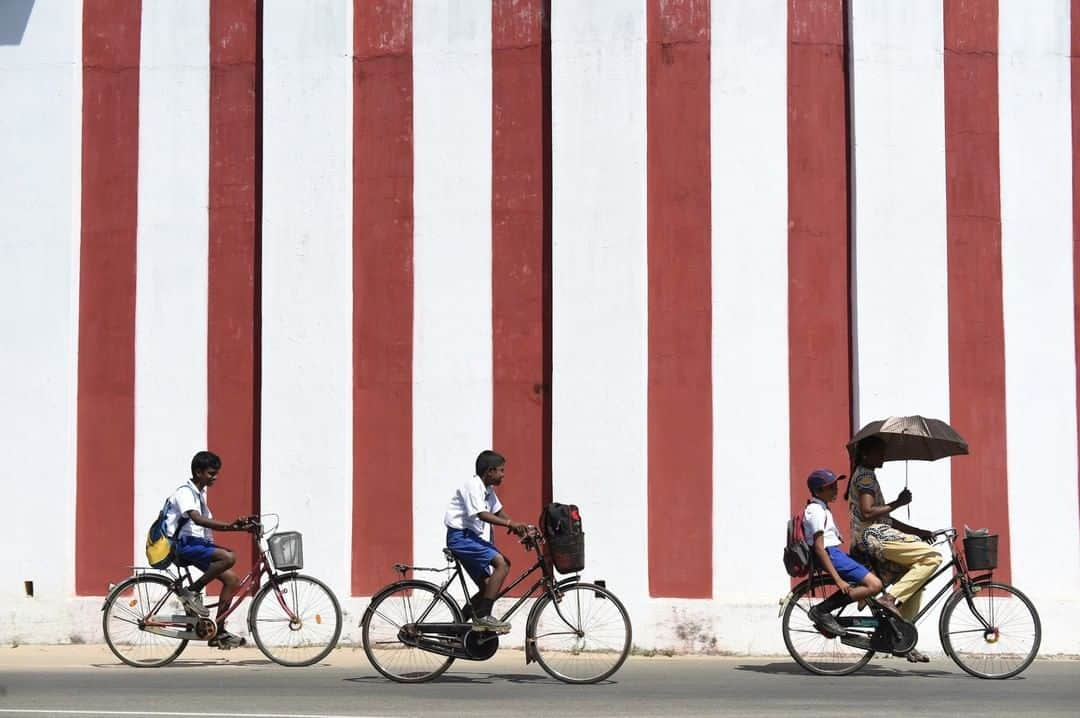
(912, 438)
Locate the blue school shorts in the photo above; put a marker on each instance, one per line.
(849, 569)
(196, 551)
(475, 553)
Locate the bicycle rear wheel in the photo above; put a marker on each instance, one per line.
(994, 635)
(295, 620)
(583, 637)
(126, 610)
(389, 613)
(810, 648)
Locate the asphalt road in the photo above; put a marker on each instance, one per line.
(88, 682)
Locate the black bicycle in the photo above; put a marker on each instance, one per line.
(578, 632)
(990, 629)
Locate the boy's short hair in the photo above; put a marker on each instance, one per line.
(204, 460)
(488, 459)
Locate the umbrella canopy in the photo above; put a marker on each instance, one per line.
(913, 438)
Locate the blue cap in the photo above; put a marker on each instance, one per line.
(820, 478)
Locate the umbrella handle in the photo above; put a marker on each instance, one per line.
(905, 486)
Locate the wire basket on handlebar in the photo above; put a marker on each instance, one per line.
(287, 550)
(981, 552)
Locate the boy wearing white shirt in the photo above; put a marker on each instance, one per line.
(189, 519)
(474, 509)
(822, 535)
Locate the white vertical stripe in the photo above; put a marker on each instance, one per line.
(452, 352)
(1037, 255)
(171, 251)
(307, 278)
(600, 302)
(901, 273)
(748, 104)
(40, 91)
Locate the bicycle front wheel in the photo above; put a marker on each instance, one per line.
(387, 623)
(295, 620)
(995, 634)
(127, 609)
(583, 636)
(811, 648)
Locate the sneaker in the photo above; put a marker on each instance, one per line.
(826, 621)
(225, 640)
(192, 601)
(490, 623)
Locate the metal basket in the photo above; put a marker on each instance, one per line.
(287, 550)
(981, 552)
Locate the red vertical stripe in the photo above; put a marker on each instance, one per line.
(104, 507)
(680, 300)
(232, 356)
(520, 154)
(976, 327)
(382, 290)
(1074, 61)
(819, 337)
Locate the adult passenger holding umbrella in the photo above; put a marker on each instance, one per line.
(894, 546)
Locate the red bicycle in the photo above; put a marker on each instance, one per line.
(294, 619)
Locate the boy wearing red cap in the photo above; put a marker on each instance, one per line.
(824, 538)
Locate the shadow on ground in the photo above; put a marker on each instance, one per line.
(793, 669)
(477, 679)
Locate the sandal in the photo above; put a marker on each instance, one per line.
(914, 656)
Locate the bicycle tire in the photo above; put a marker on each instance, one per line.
(600, 647)
(301, 643)
(392, 608)
(120, 621)
(811, 649)
(1015, 618)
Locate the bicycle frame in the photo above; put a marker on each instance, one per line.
(249, 586)
(961, 580)
(546, 582)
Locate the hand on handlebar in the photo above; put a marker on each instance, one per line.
(245, 523)
(517, 528)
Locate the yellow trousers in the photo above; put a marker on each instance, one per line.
(922, 560)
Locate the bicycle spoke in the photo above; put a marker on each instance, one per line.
(995, 635)
(597, 643)
(297, 621)
(126, 610)
(383, 622)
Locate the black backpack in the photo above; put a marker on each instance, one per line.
(563, 537)
(797, 555)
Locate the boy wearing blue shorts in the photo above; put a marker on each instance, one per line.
(822, 535)
(188, 518)
(473, 510)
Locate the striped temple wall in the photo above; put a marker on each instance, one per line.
(664, 254)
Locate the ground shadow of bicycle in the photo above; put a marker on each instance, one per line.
(195, 663)
(875, 671)
(477, 679)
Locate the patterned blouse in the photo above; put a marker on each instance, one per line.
(867, 534)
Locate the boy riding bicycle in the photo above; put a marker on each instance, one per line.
(189, 519)
(474, 509)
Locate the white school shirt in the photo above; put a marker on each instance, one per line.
(818, 519)
(184, 499)
(467, 502)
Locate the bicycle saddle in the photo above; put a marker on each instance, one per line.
(448, 553)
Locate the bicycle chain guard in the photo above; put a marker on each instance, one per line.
(481, 645)
(894, 636)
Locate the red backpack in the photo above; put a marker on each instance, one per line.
(796, 552)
